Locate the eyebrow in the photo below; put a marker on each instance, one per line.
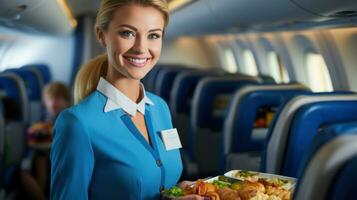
(135, 29)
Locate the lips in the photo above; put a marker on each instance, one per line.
(136, 61)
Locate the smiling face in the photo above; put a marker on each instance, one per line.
(133, 40)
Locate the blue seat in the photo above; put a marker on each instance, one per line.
(165, 80)
(210, 102)
(11, 85)
(150, 78)
(305, 125)
(34, 85)
(242, 142)
(274, 153)
(41, 69)
(181, 99)
(330, 168)
(344, 186)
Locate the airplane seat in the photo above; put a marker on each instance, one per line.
(181, 100)
(210, 102)
(180, 104)
(305, 125)
(34, 85)
(150, 78)
(41, 70)
(165, 80)
(331, 172)
(296, 125)
(245, 128)
(12, 86)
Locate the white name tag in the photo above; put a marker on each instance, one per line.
(171, 139)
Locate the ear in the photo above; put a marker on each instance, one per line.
(101, 37)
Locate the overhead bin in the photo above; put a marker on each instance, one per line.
(329, 8)
(46, 16)
(233, 16)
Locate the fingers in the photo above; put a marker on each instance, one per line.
(183, 184)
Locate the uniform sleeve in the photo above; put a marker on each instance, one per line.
(72, 159)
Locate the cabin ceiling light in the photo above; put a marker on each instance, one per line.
(175, 4)
(64, 5)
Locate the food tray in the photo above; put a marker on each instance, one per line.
(289, 185)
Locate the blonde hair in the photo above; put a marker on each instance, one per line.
(57, 90)
(89, 74)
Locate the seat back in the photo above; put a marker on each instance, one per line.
(305, 125)
(165, 80)
(13, 86)
(211, 99)
(43, 69)
(322, 178)
(34, 84)
(278, 140)
(181, 99)
(238, 134)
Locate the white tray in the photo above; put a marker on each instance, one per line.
(290, 185)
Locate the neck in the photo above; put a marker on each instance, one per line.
(130, 87)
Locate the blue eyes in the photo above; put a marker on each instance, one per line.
(130, 34)
(127, 34)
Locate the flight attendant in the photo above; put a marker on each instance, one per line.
(118, 142)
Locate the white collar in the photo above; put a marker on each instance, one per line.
(117, 99)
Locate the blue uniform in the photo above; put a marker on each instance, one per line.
(102, 155)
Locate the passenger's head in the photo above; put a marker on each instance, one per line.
(131, 31)
(56, 97)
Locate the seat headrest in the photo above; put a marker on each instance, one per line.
(279, 131)
(43, 69)
(164, 82)
(238, 125)
(32, 82)
(183, 88)
(305, 125)
(324, 166)
(213, 93)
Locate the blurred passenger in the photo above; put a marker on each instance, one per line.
(56, 97)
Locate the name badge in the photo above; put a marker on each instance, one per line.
(171, 139)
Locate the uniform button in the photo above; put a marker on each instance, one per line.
(159, 163)
(161, 188)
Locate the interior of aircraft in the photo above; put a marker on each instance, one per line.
(262, 89)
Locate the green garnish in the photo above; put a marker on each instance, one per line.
(174, 192)
(245, 174)
(221, 184)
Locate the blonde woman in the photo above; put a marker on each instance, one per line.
(111, 144)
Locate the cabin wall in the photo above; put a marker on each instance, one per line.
(21, 49)
(190, 51)
(337, 46)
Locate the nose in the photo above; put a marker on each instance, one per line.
(140, 45)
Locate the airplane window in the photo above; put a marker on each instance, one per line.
(277, 68)
(317, 72)
(231, 64)
(249, 63)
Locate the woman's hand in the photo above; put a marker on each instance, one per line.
(183, 184)
(192, 197)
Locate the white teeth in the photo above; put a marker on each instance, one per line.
(138, 61)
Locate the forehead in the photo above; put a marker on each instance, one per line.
(139, 16)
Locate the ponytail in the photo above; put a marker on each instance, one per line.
(88, 77)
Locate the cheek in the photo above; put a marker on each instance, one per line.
(156, 49)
